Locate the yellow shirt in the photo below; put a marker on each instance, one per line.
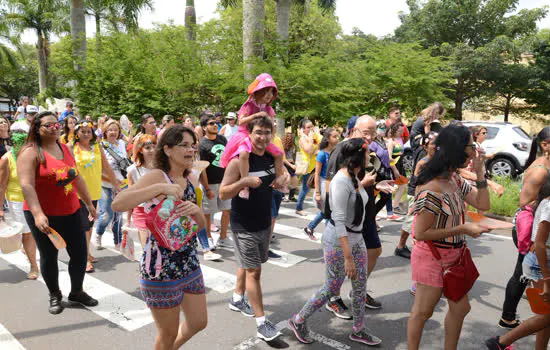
(88, 164)
(310, 158)
(277, 142)
(67, 139)
(13, 190)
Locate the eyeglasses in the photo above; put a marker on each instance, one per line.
(187, 146)
(50, 126)
(211, 123)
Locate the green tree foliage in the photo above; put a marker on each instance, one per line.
(457, 29)
(21, 77)
(539, 93)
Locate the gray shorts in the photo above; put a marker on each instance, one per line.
(251, 247)
(212, 206)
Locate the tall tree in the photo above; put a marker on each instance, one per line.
(78, 31)
(451, 28)
(44, 17)
(539, 92)
(190, 20)
(253, 34)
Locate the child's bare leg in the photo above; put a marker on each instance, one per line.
(280, 180)
(244, 168)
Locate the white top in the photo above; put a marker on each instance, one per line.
(135, 173)
(120, 149)
(21, 125)
(230, 131)
(542, 214)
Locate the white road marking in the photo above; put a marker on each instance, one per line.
(496, 236)
(334, 344)
(8, 341)
(115, 305)
(292, 212)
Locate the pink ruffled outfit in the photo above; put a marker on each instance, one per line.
(240, 141)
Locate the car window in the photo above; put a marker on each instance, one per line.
(491, 132)
(521, 133)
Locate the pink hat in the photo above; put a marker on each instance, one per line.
(262, 81)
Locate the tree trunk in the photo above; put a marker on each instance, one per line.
(459, 99)
(507, 107)
(190, 20)
(42, 47)
(283, 22)
(97, 31)
(78, 32)
(253, 35)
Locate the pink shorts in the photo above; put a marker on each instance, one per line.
(426, 269)
(139, 218)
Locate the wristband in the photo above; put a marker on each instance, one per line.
(481, 184)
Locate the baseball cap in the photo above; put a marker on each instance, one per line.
(351, 124)
(32, 109)
(231, 115)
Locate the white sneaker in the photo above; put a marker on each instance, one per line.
(211, 243)
(224, 243)
(209, 256)
(98, 245)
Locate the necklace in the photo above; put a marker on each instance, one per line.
(79, 158)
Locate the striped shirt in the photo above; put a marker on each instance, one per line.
(448, 208)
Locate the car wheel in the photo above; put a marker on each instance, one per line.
(502, 167)
(408, 161)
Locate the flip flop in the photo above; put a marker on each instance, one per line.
(33, 275)
(89, 268)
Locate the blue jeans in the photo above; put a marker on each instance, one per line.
(106, 215)
(203, 240)
(316, 221)
(304, 190)
(389, 207)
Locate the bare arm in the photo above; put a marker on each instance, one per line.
(4, 178)
(540, 247)
(532, 183)
(245, 119)
(232, 183)
(27, 164)
(222, 130)
(306, 144)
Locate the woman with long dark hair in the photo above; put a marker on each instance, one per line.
(147, 126)
(344, 248)
(51, 186)
(178, 285)
(537, 168)
(5, 141)
(68, 130)
(439, 221)
(308, 145)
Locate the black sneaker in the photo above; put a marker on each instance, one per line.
(507, 325)
(339, 309)
(364, 337)
(371, 303)
(301, 331)
(493, 344)
(309, 233)
(403, 252)
(83, 298)
(241, 306)
(272, 255)
(56, 306)
(267, 331)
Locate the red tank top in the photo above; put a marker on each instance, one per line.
(54, 185)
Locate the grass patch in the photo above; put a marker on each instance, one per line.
(508, 203)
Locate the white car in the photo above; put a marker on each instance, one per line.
(509, 142)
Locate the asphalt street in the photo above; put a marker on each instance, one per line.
(122, 321)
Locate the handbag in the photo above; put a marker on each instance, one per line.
(127, 246)
(524, 225)
(458, 278)
(311, 180)
(122, 162)
(301, 164)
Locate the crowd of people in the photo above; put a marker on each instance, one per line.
(75, 177)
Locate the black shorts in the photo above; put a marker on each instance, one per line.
(86, 224)
(370, 235)
(290, 171)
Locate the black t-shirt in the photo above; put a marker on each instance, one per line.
(417, 131)
(211, 151)
(254, 214)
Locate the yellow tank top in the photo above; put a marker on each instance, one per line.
(310, 158)
(13, 190)
(88, 164)
(65, 139)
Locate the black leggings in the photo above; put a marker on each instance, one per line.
(384, 198)
(71, 229)
(514, 291)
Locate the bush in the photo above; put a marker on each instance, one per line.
(508, 203)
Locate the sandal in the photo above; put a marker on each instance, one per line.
(89, 267)
(93, 259)
(32, 275)
(301, 213)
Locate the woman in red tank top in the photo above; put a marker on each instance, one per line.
(51, 186)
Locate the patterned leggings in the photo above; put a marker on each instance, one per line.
(335, 276)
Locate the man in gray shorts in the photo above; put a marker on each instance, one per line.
(211, 147)
(251, 224)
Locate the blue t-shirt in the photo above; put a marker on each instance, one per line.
(64, 115)
(322, 157)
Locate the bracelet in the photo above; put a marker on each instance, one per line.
(481, 184)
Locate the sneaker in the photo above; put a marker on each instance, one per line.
(214, 228)
(117, 247)
(241, 306)
(394, 217)
(97, 242)
(493, 344)
(300, 331)
(339, 309)
(210, 256)
(56, 306)
(82, 298)
(267, 331)
(309, 233)
(272, 255)
(371, 303)
(365, 338)
(224, 243)
(508, 325)
(403, 252)
(211, 243)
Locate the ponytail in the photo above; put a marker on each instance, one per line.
(543, 135)
(359, 209)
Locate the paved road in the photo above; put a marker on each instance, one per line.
(123, 321)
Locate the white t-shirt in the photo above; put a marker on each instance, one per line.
(20, 114)
(230, 131)
(120, 149)
(21, 125)
(136, 173)
(542, 214)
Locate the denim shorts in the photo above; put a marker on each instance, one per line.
(531, 268)
(276, 199)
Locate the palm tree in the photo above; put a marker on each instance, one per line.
(190, 20)
(78, 31)
(44, 17)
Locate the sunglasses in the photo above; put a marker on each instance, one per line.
(50, 126)
(211, 123)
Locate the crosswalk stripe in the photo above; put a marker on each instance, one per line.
(115, 305)
(292, 212)
(8, 341)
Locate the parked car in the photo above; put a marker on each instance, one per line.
(510, 143)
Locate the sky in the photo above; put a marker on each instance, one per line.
(379, 19)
